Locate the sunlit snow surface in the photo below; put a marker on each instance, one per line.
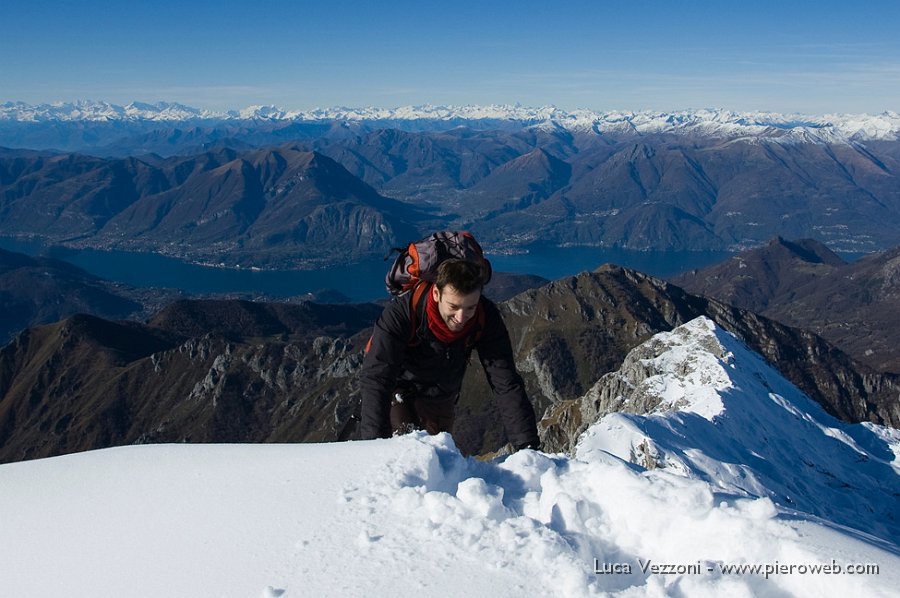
(411, 517)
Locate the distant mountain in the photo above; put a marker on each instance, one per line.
(652, 192)
(854, 305)
(700, 180)
(424, 167)
(519, 183)
(659, 193)
(281, 206)
(37, 291)
(237, 371)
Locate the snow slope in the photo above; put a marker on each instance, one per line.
(411, 517)
(725, 416)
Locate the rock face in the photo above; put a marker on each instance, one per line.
(640, 386)
(237, 371)
(209, 371)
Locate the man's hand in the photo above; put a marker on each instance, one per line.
(533, 444)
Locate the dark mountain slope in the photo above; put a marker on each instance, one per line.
(279, 207)
(854, 305)
(659, 193)
(42, 290)
(200, 372)
(773, 273)
(69, 196)
(429, 167)
(283, 204)
(519, 183)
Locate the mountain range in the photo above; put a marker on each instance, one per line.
(285, 206)
(210, 187)
(707, 122)
(367, 191)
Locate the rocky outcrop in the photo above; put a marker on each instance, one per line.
(258, 373)
(625, 390)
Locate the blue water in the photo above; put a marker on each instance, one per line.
(363, 281)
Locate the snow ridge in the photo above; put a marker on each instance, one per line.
(712, 409)
(717, 123)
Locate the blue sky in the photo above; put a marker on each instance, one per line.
(810, 57)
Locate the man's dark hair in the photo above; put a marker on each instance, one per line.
(464, 276)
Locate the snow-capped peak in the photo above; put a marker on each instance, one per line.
(92, 111)
(726, 124)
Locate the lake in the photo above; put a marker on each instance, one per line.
(362, 281)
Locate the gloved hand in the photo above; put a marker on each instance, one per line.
(531, 444)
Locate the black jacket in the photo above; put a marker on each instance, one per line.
(435, 370)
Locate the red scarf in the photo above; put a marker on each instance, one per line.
(437, 325)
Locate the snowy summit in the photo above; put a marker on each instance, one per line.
(724, 480)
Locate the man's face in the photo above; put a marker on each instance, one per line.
(455, 309)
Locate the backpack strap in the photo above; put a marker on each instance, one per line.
(415, 299)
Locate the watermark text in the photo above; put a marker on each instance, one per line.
(650, 567)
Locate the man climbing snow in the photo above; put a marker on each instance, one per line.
(414, 366)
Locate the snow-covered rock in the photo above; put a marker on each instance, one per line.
(697, 402)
